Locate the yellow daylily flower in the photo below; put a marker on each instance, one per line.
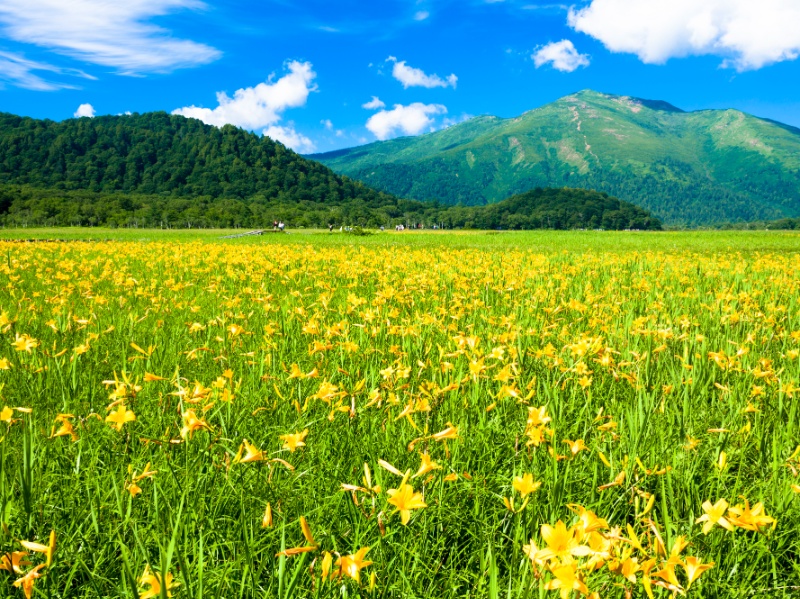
(47, 550)
(405, 500)
(750, 518)
(292, 441)
(120, 417)
(14, 561)
(27, 582)
(351, 565)
(694, 567)
(566, 580)
(426, 465)
(525, 485)
(562, 542)
(155, 581)
(714, 514)
(192, 423)
(253, 453)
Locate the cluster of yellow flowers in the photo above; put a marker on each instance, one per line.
(590, 548)
(738, 516)
(346, 565)
(15, 561)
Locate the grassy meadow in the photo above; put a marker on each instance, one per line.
(436, 414)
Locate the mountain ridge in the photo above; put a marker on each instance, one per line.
(690, 168)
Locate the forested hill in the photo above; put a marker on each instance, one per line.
(158, 153)
(688, 168)
(560, 209)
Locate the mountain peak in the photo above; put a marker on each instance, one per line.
(697, 167)
(658, 105)
(594, 96)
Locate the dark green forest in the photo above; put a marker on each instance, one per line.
(159, 170)
(549, 208)
(158, 153)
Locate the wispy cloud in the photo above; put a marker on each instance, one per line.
(21, 72)
(113, 34)
(546, 7)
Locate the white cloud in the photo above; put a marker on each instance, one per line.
(748, 34)
(374, 104)
(412, 77)
(562, 55)
(410, 120)
(421, 15)
(19, 71)
(289, 137)
(108, 33)
(85, 110)
(450, 122)
(259, 106)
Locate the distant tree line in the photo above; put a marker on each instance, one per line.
(23, 206)
(782, 224)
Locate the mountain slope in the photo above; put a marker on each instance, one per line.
(699, 167)
(157, 153)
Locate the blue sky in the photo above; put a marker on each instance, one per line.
(303, 71)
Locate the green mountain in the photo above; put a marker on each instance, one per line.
(691, 168)
(161, 170)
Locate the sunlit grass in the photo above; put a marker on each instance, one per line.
(540, 241)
